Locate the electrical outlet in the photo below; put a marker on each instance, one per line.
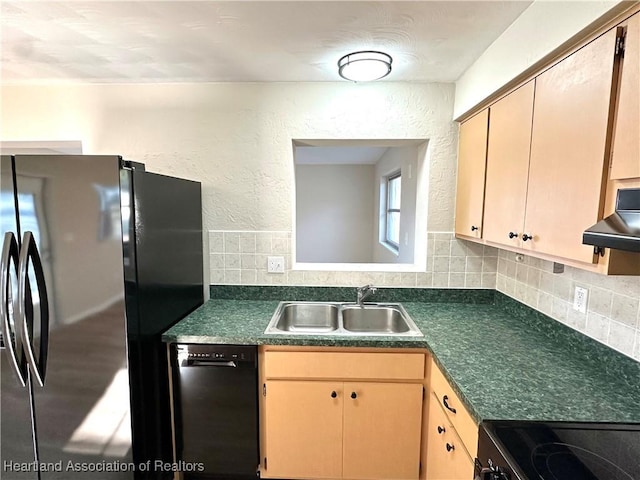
(275, 264)
(580, 299)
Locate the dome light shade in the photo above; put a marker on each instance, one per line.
(364, 66)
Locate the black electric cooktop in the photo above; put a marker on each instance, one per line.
(558, 451)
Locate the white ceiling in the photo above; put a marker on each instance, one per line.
(254, 41)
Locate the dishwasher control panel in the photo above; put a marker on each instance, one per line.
(217, 352)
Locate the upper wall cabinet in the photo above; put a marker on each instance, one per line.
(508, 167)
(472, 157)
(625, 160)
(569, 146)
(558, 149)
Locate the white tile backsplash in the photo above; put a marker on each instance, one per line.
(613, 303)
(240, 257)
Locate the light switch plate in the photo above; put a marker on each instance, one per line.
(275, 264)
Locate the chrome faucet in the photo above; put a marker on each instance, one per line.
(364, 292)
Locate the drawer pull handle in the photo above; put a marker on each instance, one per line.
(446, 404)
(450, 447)
(334, 394)
(513, 234)
(526, 237)
(473, 228)
(354, 395)
(441, 430)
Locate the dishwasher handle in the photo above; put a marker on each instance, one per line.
(209, 363)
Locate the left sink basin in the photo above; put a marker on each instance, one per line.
(306, 318)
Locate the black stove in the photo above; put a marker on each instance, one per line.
(509, 450)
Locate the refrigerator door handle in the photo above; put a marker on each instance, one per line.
(11, 338)
(30, 251)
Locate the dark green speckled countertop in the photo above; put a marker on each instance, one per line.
(505, 360)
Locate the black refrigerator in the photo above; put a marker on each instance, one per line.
(99, 257)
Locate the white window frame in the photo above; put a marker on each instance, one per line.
(387, 210)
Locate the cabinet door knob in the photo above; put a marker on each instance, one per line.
(526, 237)
(445, 402)
(473, 228)
(513, 234)
(354, 395)
(450, 447)
(334, 394)
(441, 429)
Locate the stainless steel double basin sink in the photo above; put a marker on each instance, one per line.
(346, 319)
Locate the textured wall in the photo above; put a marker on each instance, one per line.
(613, 308)
(405, 160)
(335, 210)
(236, 138)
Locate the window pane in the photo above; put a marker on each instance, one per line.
(393, 227)
(394, 193)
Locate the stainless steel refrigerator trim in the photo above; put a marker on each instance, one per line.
(38, 366)
(10, 252)
(60, 213)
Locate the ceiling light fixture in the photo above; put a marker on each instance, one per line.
(364, 66)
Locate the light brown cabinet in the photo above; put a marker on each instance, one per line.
(508, 167)
(558, 148)
(382, 428)
(303, 428)
(452, 434)
(472, 156)
(335, 425)
(447, 459)
(625, 158)
(569, 146)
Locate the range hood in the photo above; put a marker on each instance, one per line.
(620, 231)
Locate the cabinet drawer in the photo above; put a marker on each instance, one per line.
(462, 421)
(335, 365)
(447, 457)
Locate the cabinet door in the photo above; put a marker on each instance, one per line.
(472, 157)
(446, 456)
(568, 150)
(382, 430)
(508, 166)
(625, 161)
(303, 424)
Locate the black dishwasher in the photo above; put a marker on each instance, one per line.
(216, 411)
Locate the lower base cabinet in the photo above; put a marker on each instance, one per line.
(354, 430)
(358, 415)
(382, 427)
(366, 428)
(452, 434)
(303, 428)
(447, 458)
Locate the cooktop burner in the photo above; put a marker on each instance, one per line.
(561, 461)
(564, 451)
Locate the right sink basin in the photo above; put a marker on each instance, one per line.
(374, 318)
(346, 319)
